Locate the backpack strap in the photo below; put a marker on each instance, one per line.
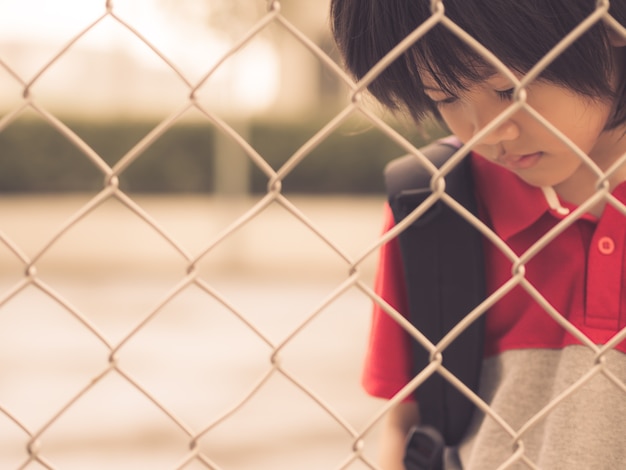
(444, 272)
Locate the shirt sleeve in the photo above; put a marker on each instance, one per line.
(387, 361)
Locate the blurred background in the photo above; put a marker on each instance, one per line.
(110, 356)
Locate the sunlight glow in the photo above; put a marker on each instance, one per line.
(109, 58)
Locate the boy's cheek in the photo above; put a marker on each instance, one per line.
(457, 125)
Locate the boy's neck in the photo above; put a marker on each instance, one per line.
(582, 185)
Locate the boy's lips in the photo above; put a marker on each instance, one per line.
(519, 162)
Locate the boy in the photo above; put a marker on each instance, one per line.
(558, 396)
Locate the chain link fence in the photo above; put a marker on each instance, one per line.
(107, 358)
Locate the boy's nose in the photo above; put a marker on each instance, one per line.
(508, 130)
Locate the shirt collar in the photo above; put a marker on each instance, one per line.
(511, 205)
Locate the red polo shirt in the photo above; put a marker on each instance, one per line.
(579, 273)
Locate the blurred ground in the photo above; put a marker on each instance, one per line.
(194, 356)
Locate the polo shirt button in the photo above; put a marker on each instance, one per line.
(606, 245)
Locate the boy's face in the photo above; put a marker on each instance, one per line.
(521, 143)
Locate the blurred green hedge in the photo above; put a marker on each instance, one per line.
(35, 157)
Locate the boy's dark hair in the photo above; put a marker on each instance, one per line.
(518, 32)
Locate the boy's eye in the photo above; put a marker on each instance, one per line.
(446, 101)
(505, 94)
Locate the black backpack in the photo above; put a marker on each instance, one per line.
(443, 263)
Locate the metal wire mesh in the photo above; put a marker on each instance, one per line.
(192, 454)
